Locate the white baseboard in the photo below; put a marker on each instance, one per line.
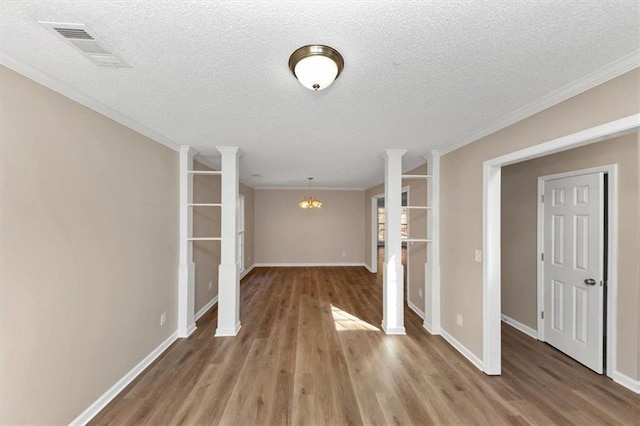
(415, 309)
(368, 268)
(520, 326)
(246, 271)
(311, 264)
(626, 381)
(101, 402)
(462, 349)
(206, 308)
(427, 326)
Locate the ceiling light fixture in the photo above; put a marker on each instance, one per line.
(316, 66)
(309, 201)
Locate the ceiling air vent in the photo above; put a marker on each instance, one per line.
(85, 40)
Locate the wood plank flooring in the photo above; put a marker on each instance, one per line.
(310, 352)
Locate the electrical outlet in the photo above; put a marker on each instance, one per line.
(163, 319)
(344, 254)
(479, 256)
(210, 284)
(459, 320)
(420, 293)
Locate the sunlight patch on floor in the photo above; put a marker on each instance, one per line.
(345, 321)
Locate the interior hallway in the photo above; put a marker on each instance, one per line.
(310, 352)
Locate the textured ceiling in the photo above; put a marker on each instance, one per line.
(418, 75)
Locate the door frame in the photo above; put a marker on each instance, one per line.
(374, 232)
(491, 206)
(611, 171)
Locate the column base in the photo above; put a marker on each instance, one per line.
(186, 332)
(400, 331)
(186, 299)
(226, 331)
(393, 299)
(228, 300)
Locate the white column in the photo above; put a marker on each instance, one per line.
(186, 268)
(393, 271)
(432, 271)
(228, 274)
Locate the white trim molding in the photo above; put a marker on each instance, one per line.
(306, 188)
(67, 91)
(432, 265)
(604, 74)
(91, 411)
(374, 233)
(186, 267)
(247, 271)
(491, 206)
(415, 309)
(520, 326)
(626, 381)
(462, 349)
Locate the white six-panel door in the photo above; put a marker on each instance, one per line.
(573, 272)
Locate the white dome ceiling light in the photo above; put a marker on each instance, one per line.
(316, 66)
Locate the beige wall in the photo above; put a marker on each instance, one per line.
(520, 221)
(206, 223)
(416, 252)
(89, 252)
(285, 233)
(461, 204)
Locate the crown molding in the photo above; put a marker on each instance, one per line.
(58, 86)
(604, 74)
(304, 188)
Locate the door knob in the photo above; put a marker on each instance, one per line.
(590, 281)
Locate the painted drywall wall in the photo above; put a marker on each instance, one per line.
(461, 205)
(287, 234)
(520, 220)
(417, 224)
(89, 252)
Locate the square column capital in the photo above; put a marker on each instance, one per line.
(394, 153)
(229, 150)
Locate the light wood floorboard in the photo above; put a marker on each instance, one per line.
(310, 352)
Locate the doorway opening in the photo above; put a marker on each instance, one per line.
(492, 172)
(378, 222)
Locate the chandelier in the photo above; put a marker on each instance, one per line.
(309, 201)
